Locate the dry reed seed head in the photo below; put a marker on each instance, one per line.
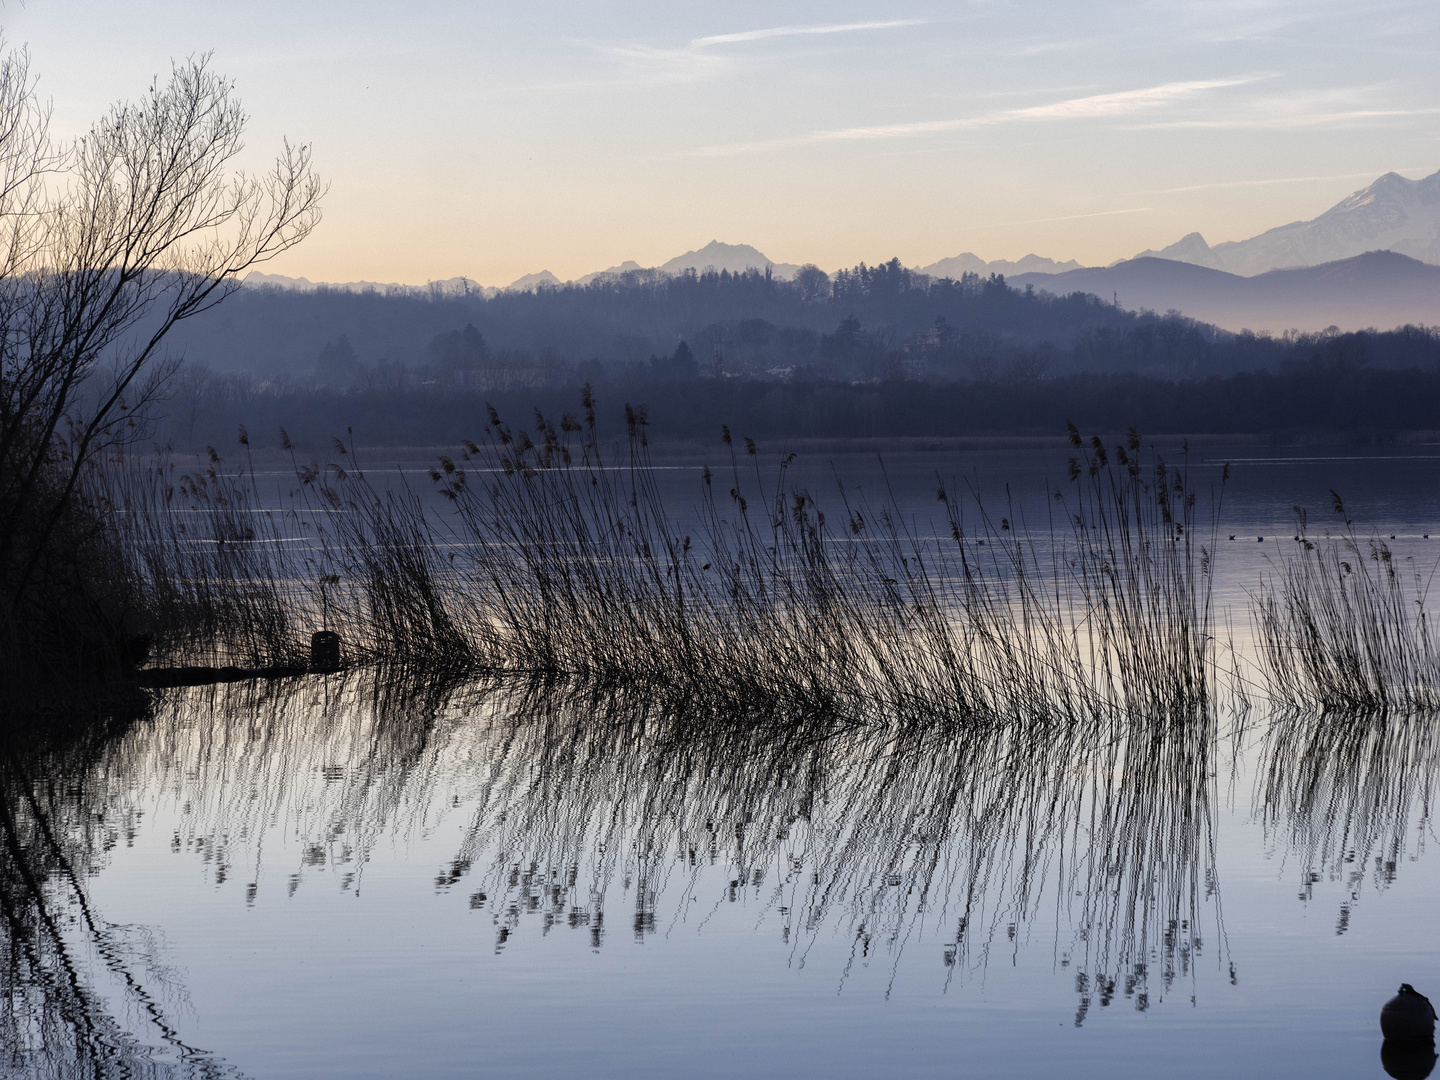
(569, 424)
(215, 458)
(1134, 439)
(706, 475)
(494, 416)
(244, 436)
(339, 447)
(1074, 470)
(1074, 435)
(725, 434)
(470, 447)
(447, 464)
(749, 446)
(539, 420)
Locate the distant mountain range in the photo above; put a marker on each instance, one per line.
(456, 286)
(1392, 214)
(737, 258)
(1368, 254)
(967, 263)
(1382, 289)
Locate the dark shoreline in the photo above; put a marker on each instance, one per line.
(1356, 405)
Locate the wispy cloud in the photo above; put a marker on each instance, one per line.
(1125, 101)
(800, 31)
(1093, 106)
(699, 60)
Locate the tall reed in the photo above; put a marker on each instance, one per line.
(236, 575)
(1342, 623)
(588, 574)
(551, 557)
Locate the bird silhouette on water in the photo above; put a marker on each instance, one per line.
(1408, 1023)
(1408, 1016)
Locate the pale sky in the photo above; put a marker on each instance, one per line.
(493, 140)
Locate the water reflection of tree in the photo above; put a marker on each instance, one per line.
(55, 828)
(977, 836)
(1351, 794)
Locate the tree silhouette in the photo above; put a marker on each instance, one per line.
(106, 244)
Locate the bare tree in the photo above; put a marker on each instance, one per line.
(106, 243)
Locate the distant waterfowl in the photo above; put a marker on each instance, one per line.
(1408, 1017)
(1232, 536)
(1259, 539)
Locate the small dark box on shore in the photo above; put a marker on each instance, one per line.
(324, 651)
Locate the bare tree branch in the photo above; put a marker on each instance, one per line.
(106, 244)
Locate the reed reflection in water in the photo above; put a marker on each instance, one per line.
(907, 848)
(950, 842)
(1350, 795)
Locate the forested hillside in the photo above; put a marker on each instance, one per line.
(870, 322)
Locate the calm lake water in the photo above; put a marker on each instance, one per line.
(358, 876)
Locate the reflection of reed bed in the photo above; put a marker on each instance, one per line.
(1343, 624)
(556, 562)
(974, 838)
(957, 840)
(1350, 794)
(79, 996)
(326, 766)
